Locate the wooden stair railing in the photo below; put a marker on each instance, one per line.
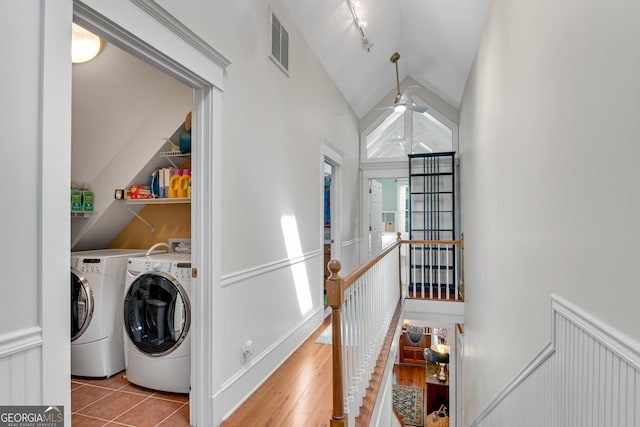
(338, 287)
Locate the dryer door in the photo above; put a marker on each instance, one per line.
(81, 304)
(157, 314)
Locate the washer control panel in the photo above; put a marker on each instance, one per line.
(179, 268)
(90, 265)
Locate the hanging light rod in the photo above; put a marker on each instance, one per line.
(360, 24)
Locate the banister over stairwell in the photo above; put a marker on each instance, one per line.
(362, 306)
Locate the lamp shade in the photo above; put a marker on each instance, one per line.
(440, 353)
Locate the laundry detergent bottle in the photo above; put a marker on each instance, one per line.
(76, 198)
(87, 198)
(183, 186)
(174, 184)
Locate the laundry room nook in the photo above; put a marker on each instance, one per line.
(131, 247)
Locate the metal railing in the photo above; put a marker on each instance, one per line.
(435, 269)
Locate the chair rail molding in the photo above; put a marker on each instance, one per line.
(19, 341)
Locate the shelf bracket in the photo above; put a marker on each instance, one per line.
(144, 221)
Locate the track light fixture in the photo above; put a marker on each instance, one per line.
(360, 24)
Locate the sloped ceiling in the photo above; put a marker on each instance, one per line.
(436, 40)
(122, 109)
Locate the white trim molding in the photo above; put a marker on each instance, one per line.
(19, 341)
(21, 367)
(161, 15)
(589, 375)
(243, 275)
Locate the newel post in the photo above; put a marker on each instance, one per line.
(335, 297)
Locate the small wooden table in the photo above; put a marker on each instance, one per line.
(437, 391)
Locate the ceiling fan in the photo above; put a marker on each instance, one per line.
(403, 101)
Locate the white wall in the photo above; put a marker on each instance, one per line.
(273, 126)
(273, 129)
(33, 365)
(20, 108)
(549, 168)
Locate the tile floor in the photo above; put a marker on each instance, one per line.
(117, 402)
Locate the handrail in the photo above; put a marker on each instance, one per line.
(362, 298)
(350, 278)
(368, 302)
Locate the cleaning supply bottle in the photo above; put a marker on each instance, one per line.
(87, 198)
(174, 184)
(183, 187)
(76, 198)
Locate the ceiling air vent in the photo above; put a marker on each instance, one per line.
(279, 37)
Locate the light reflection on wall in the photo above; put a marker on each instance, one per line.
(294, 252)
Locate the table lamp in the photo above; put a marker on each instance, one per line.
(440, 355)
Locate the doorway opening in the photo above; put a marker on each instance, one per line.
(388, 212)
(326, 224)
(119, 144)
(331, 227)
(205, 83)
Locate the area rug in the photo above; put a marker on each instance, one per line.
(325, 336)
(409, 402)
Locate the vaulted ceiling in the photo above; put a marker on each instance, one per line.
(436, 39)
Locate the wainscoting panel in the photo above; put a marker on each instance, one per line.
(21, 367)
(275, 306)
(588, 376)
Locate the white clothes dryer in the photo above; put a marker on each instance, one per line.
(97, 284)
(157, 320)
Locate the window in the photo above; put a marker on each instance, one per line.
(400, 134)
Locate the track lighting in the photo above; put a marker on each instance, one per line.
(360, 24)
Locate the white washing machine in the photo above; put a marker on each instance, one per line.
(97, 284)
(157, 319)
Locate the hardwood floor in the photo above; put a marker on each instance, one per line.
(412, 376)
(299, 393)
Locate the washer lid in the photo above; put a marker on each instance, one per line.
(157, 314)
(81, 304)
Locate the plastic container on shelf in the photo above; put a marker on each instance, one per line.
(174, 184)
(87, 198)
(76, 198)
(183, 185)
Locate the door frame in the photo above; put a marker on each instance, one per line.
(147, 31)
(329, 153)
